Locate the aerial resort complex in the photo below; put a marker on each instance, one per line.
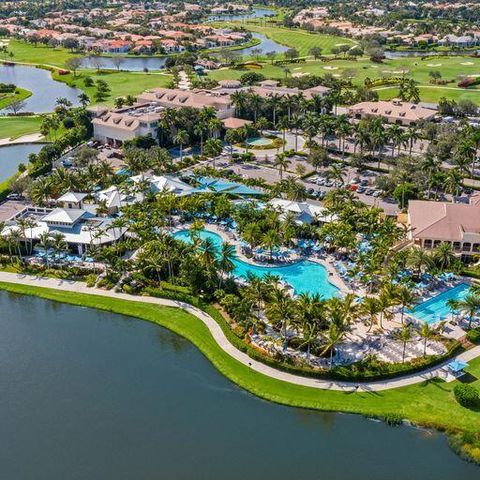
(292, 187)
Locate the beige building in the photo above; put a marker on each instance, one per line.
(115, 126)
(175, 98)
(395, 111)
(432, 223)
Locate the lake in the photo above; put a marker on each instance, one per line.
(45, 90)
(11, 156)
(93, 395)
(255, 13)
(266, 45)
(130, 63)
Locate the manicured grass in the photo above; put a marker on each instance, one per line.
(302, 40)
(120, 83)
(430, 403)
(451, 68)
(20, 94)
(41, 54)
(14, 127)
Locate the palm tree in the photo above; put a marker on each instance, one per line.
(343, 129)
(406, 299)
(274, 102)
(281, 162)
(443, 256)
(226, 257)
(453, 182)
(404, 335)
(181, 138)
(284, 125)
(470, 305)
(208, 252)
(427, 333)
(281, 310)
(255, 103)
(419, 260)
(213, 148)
(59, 244)
(370, 306)
(394, 134)
(271, 240)
(45, 242)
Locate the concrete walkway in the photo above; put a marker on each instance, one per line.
(30, 138)
(222, 341)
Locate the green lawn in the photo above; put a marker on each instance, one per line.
(40, 54)
(14, 127)
(451, 68)
(20, 94)
(120, 83)
(301, 39)
(430, 403)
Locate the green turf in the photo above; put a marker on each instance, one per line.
(429, 403)
(41, 54)
(451, 69)
(120, 83)
(14, 127)
(302, 40)
(19, 95)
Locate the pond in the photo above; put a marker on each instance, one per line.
(421, 53)
(93, 395)
(11, 156)
(266, 45)
(45, 90)
(257, 12)
(130, 63)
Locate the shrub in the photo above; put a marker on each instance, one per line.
(473, 336)
(466, 395)
(393, 419)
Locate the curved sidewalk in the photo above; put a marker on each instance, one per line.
(222, 341)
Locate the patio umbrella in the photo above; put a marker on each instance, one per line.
(457, 366)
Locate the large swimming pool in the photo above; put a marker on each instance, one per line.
(436, 309)
(304, 276)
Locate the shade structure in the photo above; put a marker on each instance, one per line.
(457, 366)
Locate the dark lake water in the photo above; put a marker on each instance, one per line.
(45, 90)
(265, 45)
(255, 13)
(132, 64)
(12, 156)
(92, 395)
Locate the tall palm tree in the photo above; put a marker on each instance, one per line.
(427, 333)
(181, 138)
(443, 256)
(284, 125)
(274, 101)
(271, 240)
(470, 305)
(406, 299)
(404, 336)
(226, 257)
(281, 162)
(281, 310)
(370, 306)
(45, 242)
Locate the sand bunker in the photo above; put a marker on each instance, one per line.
(434, 64)
(467, 63)
(330, 68)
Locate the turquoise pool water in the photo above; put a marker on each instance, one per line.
(304, 276)
(435, 309)
(258, 141)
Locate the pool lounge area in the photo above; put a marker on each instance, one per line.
(304, 276)
(436, 309)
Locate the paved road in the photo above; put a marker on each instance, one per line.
(222, 341)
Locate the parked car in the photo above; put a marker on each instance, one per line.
(14, 196)
(369, 191)
(361, 189)
(377, 193)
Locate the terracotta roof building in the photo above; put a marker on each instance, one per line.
(395, 111)
(432, 223)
